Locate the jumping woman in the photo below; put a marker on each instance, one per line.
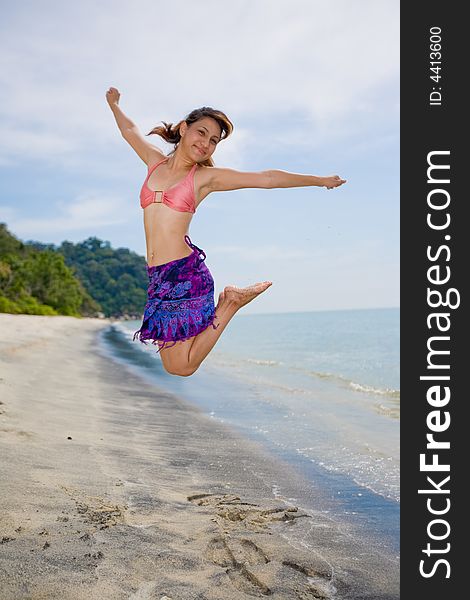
(180, 303)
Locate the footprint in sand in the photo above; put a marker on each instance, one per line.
(283, 572)
(97, 511)
(247, 552)
(231, 508)
(235, 552)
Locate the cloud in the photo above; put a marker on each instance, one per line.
(86, 212)
(323, 62)
(22, 142)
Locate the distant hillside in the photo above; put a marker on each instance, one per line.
(113, 280)
(116, 278)
(39, 282)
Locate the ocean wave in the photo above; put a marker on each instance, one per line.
(368, 469)
(372, 390)
(389, 411)
(224, 360)
(258, 361)
(358, 387)
(232, 362)
(389, 393)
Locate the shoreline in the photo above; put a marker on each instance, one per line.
(342, 496)
(149, 497)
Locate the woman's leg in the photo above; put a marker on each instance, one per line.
(184, 358)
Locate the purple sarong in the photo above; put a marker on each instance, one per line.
(180, 300)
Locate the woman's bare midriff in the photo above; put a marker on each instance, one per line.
(165, 229)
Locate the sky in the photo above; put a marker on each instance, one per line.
(312, 86)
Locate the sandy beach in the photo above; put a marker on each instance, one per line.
(113, 489)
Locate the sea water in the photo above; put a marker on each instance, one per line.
(320, 389)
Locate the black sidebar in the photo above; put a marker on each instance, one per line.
(435, 435)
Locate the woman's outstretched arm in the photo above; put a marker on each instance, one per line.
(220, 180)
(130, 132)
(284, 179)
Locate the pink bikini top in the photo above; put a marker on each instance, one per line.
(179, 196)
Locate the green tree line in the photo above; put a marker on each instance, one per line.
(85, 279)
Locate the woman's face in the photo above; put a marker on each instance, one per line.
(201, 138)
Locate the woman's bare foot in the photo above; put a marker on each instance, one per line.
(221, 299)
(241, 296)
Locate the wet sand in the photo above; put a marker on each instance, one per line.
(113, 489)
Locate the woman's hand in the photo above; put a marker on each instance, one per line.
(112, 96)
(333, 181)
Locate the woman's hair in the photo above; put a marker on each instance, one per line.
(171, 133)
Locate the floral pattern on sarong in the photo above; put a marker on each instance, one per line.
(180, 300)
